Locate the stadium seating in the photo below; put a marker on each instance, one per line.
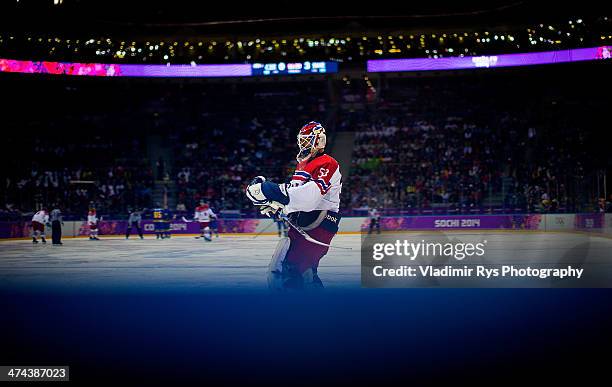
(478, 142)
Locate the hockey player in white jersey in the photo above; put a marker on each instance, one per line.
(374, 218)
(311, 203)
(92, 223)
(39, 220)
(203, 215)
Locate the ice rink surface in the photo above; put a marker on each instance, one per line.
(186, 264)
(180, 263)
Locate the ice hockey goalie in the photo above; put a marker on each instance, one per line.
(311, 203)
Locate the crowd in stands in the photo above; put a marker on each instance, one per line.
(74, 149)
(470, 142)
(216, 136)
(519, 141)
(242, 133)
(68, 177)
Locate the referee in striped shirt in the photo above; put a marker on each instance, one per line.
(56, 225)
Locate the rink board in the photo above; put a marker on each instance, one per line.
(598, 223)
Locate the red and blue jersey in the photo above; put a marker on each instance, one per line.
(315, 185)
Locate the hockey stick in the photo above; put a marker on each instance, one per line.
(309, 238)
(190, 221)
(262, 231)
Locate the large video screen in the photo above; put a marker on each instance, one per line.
(505, 60)
(168, 70)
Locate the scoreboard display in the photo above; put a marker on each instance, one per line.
(281, 68)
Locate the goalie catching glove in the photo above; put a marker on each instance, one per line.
(270, 196)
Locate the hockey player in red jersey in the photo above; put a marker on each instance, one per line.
(39, 220)
(92, 222)
(203, 215)
(310, 202)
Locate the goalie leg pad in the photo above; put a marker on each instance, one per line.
(276, 269)
(276, 263)
(292, 279)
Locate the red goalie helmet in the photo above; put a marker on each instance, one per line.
(310, 140)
